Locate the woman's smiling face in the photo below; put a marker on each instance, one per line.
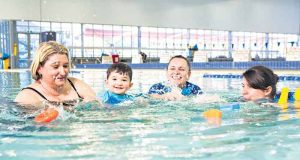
(55, 70)
(178, 71)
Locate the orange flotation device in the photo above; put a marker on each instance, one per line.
(213, 113)
(46, 116)
(213, 116)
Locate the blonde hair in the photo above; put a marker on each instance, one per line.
(42, 54)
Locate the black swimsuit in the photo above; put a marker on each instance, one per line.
(65, 103)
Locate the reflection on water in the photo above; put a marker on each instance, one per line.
(154, 130)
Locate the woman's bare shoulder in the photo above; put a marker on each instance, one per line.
(75, 81)
(27, 96)
(83, 88)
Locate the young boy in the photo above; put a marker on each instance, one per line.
(118, 82)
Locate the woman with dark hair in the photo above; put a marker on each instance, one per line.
(259, 82)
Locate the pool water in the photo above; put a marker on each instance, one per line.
(150, 129)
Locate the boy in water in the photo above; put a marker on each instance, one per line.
(118, 82)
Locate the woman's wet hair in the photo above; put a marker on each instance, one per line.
(180, 56)
(261, 77)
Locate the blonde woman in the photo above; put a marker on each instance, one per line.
(50, 68)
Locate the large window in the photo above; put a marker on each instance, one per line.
(94, 40)
(22, 26)
(170, 38)
(145, 37)
(98, 36)
(291, 40)
(117, 36)
(56, 27)
(194, 38)
(108, 36)
(178, 39)
(127, 37)
(162, 38)
(257, 46)
(153, 38)
(67, 36)
(277, 44)
(135, 39)
(45, 26)
(76, 29)
(88, 35)
(157, 42)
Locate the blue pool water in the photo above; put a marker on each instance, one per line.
(151, 129)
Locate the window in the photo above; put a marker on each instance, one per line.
(107, 36)
(145, 37)
(127, 36)
(67, 35)
(76, 28)
(178, 39)
(194, 38)
(170, 38)
(45, 26)
(34, 27)
(98, 36)
(88, 35)
(153, 38)
(56, 27)
(117, 36)
(22, 26)
(162, 37)
(134, 31)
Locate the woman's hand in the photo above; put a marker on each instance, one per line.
(207, 98)
(173, 96)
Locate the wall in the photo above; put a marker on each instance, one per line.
(236, 15)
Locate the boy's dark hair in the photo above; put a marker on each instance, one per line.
(261, 77)
(121, 68)
(180, 56)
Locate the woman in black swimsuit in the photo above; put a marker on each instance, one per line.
(49, 69)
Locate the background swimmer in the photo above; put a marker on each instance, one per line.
(259, 83)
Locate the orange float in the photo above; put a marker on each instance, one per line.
(213, 116)
(46, 116)
(212, 113)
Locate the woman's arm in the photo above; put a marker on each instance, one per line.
(28, 97)
(160, 91)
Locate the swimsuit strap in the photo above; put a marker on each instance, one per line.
(36, 92)
(74, 88)
(39, 93)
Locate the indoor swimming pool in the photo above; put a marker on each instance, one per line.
(152, 129)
